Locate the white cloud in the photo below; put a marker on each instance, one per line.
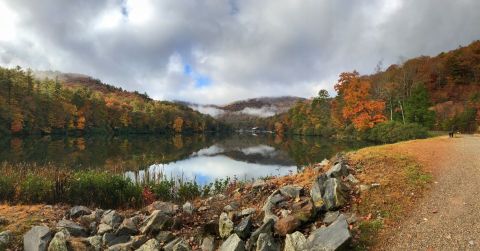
(248, 48)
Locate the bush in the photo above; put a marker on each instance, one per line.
(103, 189)
(37, 189)
(164, 189)
(189, 190)
(390, 132)
(7, 188)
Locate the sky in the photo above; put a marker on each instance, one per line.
(218, 51)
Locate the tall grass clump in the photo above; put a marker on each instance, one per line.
(103, 189)
(7, 188)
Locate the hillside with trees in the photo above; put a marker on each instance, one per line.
(435, 93)
(78, 104)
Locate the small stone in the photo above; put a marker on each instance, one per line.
(78, 211)
(225, 225)
(294, 241)
(330, 217)
(352, 179)
(150, 245)
(203, 208)
(188, 208)
(112, 218)
(233, 243)
(37, 238)
(266, 242)
(247, 211)
(95, 242)
(5, 239)
(59, 242)
(364, 188)
(208, 243)
(110, 239)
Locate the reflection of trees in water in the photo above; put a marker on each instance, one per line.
(116, 153)
(120, 153)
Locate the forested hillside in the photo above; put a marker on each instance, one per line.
(73, 103)
(440, 93)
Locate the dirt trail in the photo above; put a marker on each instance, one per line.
(448, 217)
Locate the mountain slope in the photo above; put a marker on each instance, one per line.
(53, 102)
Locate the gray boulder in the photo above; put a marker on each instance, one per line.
(259, 183)
(110, 239)
(104, 228)
(59, 242)
(338, 170)
(72, 228)
(317, 191)
(182, 245)
(244, 228)
(294, 241)
(291, 191)
(225, 225)
(157, 221)
(121, 247)
(127, 227)
(247, 211)
(266, 242)
(165, 207)
(138, 241)
(5, 239)
(334, 196)
(266, 227)
(330, 217)
(334, 237)
(352, 179)
(37, 239)
(233, 243)
(78, 211)
(150, 245)
(112, 218)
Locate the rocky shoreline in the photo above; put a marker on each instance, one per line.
(278, 214)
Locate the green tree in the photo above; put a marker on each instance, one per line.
(417, 107)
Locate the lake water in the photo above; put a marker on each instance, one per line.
(200, 157)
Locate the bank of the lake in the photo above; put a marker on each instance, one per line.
(375, 188)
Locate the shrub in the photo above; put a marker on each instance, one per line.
(36, 189)
(164, 189)
(188, 190)
(390, 132)
(7, 188)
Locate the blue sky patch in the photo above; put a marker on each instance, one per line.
(199, 79)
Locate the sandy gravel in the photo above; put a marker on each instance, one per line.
(448, 217)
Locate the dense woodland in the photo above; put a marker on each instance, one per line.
(436, 93)
(29, 105)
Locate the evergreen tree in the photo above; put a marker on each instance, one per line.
(416, 107)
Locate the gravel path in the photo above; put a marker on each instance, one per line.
(448, 218)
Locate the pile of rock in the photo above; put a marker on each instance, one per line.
(286, 215)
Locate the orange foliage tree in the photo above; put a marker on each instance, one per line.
(358, 107)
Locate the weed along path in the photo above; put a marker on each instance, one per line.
(448, 215)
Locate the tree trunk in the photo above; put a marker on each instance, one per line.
(401, 108)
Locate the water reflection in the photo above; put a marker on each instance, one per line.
(200, 157)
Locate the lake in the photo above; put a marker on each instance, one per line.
(203, 158)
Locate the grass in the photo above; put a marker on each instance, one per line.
(49, 184)
(402, 181)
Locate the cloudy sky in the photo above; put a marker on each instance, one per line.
(216, 51)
